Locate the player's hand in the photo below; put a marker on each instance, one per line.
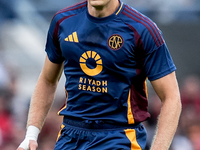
(28, 145)
(30, 141)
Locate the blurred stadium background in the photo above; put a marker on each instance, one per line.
(23, 29)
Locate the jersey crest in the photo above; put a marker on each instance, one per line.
(115, 42)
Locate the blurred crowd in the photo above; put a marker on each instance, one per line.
(14, 106)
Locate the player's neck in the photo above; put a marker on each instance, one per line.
(103, 11)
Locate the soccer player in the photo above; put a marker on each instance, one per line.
(107, 50)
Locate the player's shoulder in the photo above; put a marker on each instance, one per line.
(131, 14)
(141, 23)
(70, 11)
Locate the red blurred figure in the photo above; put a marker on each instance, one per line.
(190, 94)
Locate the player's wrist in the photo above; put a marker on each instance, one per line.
(32, 133)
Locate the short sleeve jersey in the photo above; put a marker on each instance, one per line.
(107, 61)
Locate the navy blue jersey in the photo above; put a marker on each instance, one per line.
(107, 61)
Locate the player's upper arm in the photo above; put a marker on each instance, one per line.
(167, 87)
(51, 72)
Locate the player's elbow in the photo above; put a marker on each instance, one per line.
(174, 103)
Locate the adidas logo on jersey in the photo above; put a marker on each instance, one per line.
(72, 37)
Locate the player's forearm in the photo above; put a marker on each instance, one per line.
(167, 124)
(41, 102)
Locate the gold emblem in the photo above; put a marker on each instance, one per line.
(85, 60)
(115, 42)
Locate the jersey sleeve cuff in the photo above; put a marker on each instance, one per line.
(162, 74)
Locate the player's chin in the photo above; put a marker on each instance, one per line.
(97, 3)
